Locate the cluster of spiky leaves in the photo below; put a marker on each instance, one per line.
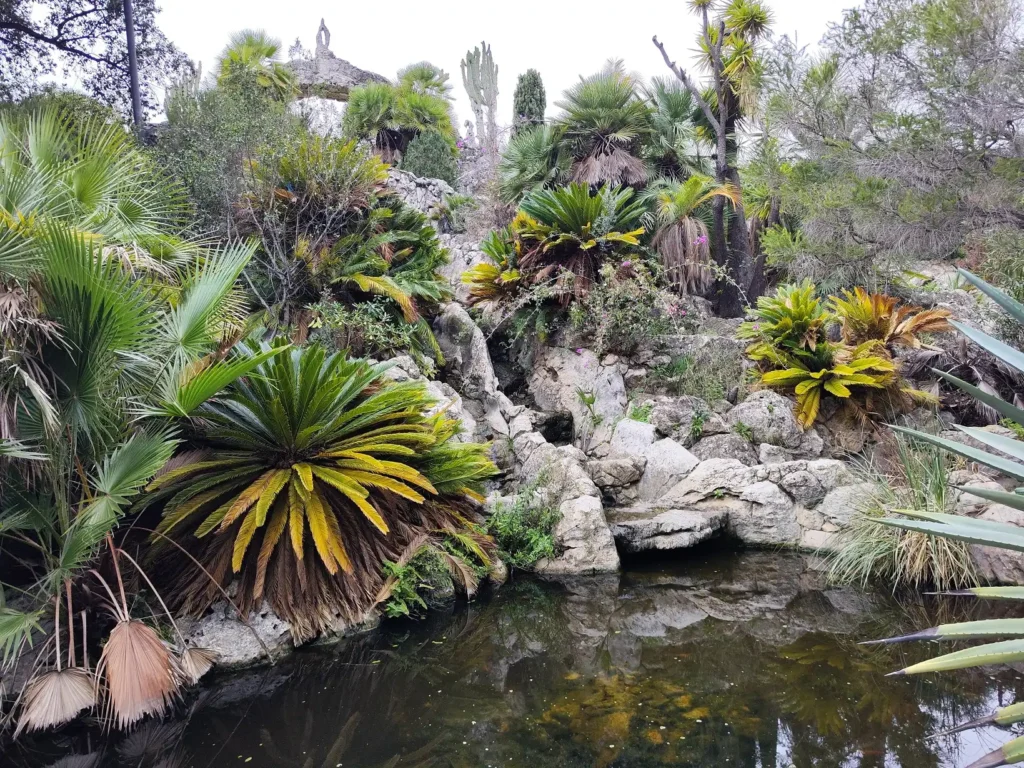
(683, 223)
(791, 344)
(560, 237)
(308, 476)
(1008, 634)
(499, 279)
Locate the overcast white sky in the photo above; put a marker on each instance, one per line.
(561, 40)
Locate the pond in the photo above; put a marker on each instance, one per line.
(722, 660)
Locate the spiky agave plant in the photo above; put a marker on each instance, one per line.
(1008, 634)
(310, 475)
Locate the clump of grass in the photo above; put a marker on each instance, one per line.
(524, 529)
(706, 373)
(641, 412)
(870, 552)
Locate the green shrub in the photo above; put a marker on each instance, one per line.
(523, 530)
(529, 101)
(367, 329)
(429, 156)
(431, 576)
(641, 413)
(626, 311)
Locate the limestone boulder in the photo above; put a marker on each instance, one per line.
(632, 439)
(467, 360)
(667, 462)
(616, 472)
(842, 503)
(425, 195)
(686, 419)
(329, 77)
(767, 417)
(727, 446)
(584, 538)
(767, 518)
(463, 254)
(650, 527)
(995, 565)
(558, 377)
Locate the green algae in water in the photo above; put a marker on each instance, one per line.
(725, 660)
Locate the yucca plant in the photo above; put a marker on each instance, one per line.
(307, 477)
(1008, 634)
(567, 232)
(683, 221)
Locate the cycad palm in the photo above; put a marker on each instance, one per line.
(253, 54)
(311, 475)
(683, 219)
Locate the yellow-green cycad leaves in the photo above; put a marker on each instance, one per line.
(331, 451)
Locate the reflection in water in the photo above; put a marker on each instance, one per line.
(739, 660)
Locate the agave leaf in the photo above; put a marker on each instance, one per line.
(1005, 652)
(1007, 445)
(992, 345)
(1003, 716)
(1006, 466)
(992, 593)
(967, 630)
(1014, 500)
(1013, 307)
(962, 532)
(1004, 408)
(1011, 752)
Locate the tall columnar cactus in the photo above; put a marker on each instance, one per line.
(529, 102)
(480, 77)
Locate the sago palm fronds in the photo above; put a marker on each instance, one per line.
(312, 474)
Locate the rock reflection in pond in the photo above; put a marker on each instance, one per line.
(740, 660)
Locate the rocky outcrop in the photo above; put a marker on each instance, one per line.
(463, 254)
(642, 528)
(558, 378)
(326, 75)
(425, 195)
(727, 446)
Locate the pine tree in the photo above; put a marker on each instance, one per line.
(529, 101)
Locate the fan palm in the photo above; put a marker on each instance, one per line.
(534, 159)
(253, 54)
(604, 120)
(683, 219)
(424, 77)
(309, 476)
(675, 144)
(391, 116)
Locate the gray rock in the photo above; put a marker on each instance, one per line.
(222, 631)
(840, 504)
(647, 527)
(995, 565)
(558, 375)
(667, 463)
(685, 419)
(330, 77)
(767, 519)
(425, 195)
(463, 254)
(727, 446)
(616, 473)
(769, 417)
(584, 538)
(632, 438)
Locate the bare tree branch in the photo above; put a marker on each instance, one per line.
(684, 78)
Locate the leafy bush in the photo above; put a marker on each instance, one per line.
(367, 329)
(332, 453)
(529, 101)
(867, 551)
(430, 156)
(523, 530)
(626, 311)
(429, 576)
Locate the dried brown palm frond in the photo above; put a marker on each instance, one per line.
(56, 697)
(91, 760)
(610, 165)
(196, 662)
(141, 675)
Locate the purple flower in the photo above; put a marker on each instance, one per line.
(579, 350)
(627, 263)
(701, 240)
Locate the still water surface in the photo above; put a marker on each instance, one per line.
(726, 659)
